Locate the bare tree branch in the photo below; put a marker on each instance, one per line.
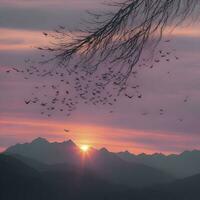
(120, 37)
(96, 65)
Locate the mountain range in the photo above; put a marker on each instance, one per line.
(107, 165)
(43, 170)
(21, 182)
(178, 165)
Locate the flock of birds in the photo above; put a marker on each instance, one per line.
(61, 90)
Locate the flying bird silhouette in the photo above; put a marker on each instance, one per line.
(27, 101)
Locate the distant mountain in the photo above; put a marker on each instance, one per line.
(19, 181)
(109, 165)
(101, 162)
(49, 153)
(181, 166)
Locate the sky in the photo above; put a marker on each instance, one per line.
(21, 25)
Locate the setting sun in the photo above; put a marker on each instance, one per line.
(84, 147)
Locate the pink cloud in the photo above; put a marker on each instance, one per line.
(2, 149)
(27, 39)
(114, 139)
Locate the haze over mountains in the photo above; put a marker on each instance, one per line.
(101, 162)
(42, 170)
(176, 165)
(180, 166)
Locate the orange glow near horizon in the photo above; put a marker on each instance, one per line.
(113, 138)
(2, 149)
(22, 39)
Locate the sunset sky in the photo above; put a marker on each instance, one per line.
(21, 25)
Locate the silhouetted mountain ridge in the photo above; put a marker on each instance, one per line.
(180, 165)
(20, 182)
(103, 163)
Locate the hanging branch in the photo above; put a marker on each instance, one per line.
(120, 37)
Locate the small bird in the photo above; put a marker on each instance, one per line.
(66, 130)
(15, 69)
(157, 60)
(144, 113)
(27, 101)
(45, 34)
(161, 111)
(180, 120)
(186, 99)
(129, 96)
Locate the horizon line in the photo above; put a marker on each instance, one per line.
(3, 149)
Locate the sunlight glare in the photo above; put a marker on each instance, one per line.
(84, 147)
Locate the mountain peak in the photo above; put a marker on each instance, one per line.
(126, 152)
(103, 150)
(189, 153)
(158, 154)
(70, 143)
(40, 140)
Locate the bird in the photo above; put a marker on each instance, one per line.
(161, 111)
(15, 69)
(66, 130)
(45, 34)
(180, 120)
(144, 113)
(186, 99)
(129, 96)
(157, 60)
(151, 66)
(27, 101)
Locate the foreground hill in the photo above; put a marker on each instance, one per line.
(183, 189)
(20, 182)
(103, 163)
(181, 166)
